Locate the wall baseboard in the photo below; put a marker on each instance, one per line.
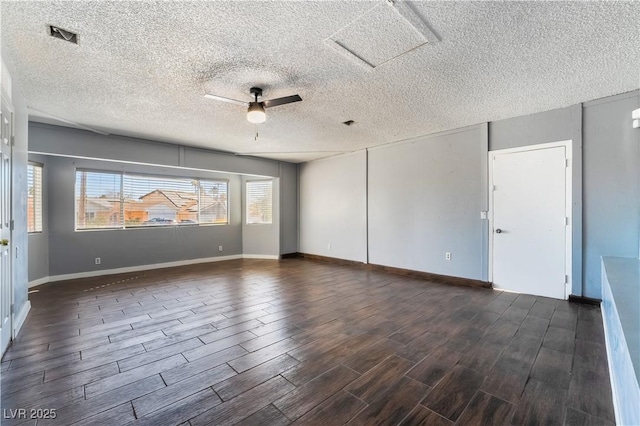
(18, 320)
(333, 260)
(261, 256)
(584, 300)
(427, 276)
(295, 255)
(101, 272)
(97, 273)
(445, 279)
(38, 282)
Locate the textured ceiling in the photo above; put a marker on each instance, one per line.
(141, 68)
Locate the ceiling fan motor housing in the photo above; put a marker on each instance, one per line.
(256, 91)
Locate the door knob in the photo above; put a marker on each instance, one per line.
(498, 231)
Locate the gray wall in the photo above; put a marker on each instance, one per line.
(39, 242)
(333, 207)
(611, 184)
(56, 140)
(262, 239)
(425, 199)
(288, 208)
(414, 215)
(606, 179)
(73, 251)
(546, 127)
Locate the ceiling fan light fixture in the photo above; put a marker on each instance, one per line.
(255, 113)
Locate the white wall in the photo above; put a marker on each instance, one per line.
(425, 199)
(333, 207)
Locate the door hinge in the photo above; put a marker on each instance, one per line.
(12, 227)
(12, 308)
(493, 187)
(13, 140)
(566, 162)
(566, 279)
(566, 220)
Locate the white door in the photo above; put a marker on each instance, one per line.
(529, 221)
(6, 296)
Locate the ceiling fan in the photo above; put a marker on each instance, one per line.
(255, 112)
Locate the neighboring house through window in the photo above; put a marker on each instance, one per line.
(135, 200)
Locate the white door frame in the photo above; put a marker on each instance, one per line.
(568, 204)
(9, 211)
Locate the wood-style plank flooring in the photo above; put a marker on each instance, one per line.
(256, 342)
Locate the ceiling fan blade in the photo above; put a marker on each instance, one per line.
(281, 101)
(231, 101)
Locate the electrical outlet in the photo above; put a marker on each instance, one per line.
(219, 248)
(447, 256)
(328, 246)
(98, 261)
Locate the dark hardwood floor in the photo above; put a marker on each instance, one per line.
(255, 342)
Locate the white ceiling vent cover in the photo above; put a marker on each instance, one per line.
(383, 33)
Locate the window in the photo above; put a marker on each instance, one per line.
(124, 200)
(213, 202)
(157, 201)
(259, 202)
(34, 197)
(98, 200)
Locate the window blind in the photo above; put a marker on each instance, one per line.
(34, 198)
(137, 200)
(98, 199)
(259, 202)
(157, 201)
(213, 202)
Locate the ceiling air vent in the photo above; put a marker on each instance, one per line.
(65, 35)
